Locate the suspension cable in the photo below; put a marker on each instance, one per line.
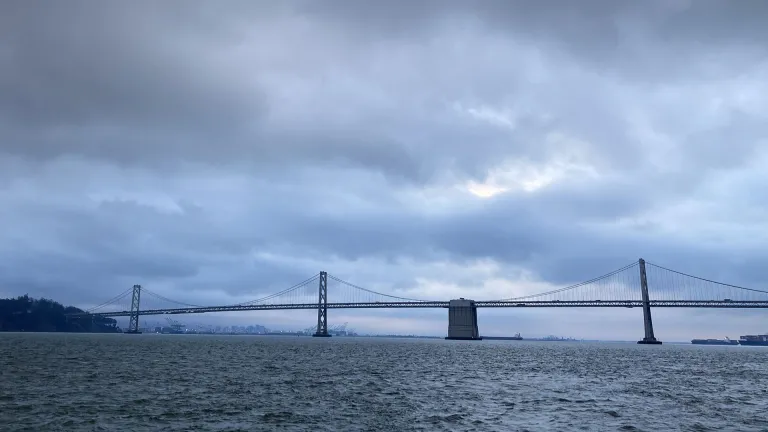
(168, 300)
(707, 280)
(110, 301)
(277, 294)
(570, 287)
(373, 292)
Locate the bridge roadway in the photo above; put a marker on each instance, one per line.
(444, 304)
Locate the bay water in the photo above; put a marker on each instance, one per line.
(116, 382)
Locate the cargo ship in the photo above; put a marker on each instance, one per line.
(515, 337)
(725, 341)
(754, 340)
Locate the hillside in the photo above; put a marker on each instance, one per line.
(42, 315)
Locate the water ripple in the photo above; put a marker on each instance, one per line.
(51, 382)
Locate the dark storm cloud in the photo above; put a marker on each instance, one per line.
(92, 64)
(144, 83)
(645, 40)
(218, 151)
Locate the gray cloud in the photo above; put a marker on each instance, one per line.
(613, 36)
(222, 153)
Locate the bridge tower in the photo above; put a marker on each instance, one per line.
(649, 338)
(322, 306)
(462, 320)
(133, 324)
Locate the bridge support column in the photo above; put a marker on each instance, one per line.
(649, 338)
(133, 323)
(322, 306)
(462, 320)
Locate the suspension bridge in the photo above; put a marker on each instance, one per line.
(640, 284)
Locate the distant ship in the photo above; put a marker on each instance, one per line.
(515, 337)
(725, 341)
(754, 340)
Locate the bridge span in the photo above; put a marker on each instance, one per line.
(640, 284)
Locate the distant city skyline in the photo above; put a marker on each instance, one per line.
(584, 324)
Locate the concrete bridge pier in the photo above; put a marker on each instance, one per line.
(462, 320)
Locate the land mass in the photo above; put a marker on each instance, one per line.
(26, 314)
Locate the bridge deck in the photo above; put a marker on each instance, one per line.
(444, 304)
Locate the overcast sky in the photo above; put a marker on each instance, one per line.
(215, 152)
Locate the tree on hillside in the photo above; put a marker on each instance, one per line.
(43, 315)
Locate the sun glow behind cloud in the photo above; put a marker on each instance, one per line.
(519, 177)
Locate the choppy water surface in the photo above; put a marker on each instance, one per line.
(151, 382)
